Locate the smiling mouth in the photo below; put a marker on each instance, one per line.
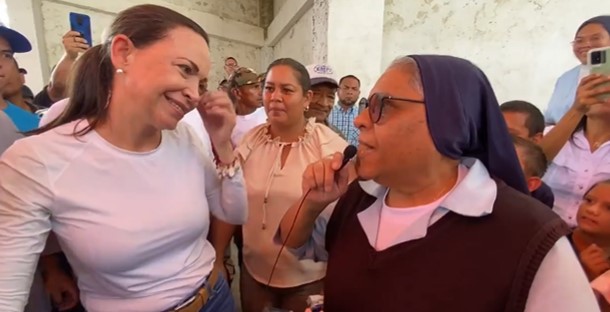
(177, 105)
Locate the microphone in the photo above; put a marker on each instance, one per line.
(348, 153)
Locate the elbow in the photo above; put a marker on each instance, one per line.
(282, 238)
(293, 244)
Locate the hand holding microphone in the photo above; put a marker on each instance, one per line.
(326, 180)
(323, 182)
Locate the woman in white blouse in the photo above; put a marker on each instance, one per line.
(274, 156)
(593, 33)
(578, 147)
(125, 187)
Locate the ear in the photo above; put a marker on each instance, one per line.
(307, 99)
(236, 93)
(537, 138)
(122, 52)
(533, 183)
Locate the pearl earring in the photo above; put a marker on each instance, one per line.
(120, 71)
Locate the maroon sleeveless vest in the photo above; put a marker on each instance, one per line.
(463, 264)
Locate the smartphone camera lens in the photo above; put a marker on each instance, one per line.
(598, 57)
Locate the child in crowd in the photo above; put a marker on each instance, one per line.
(591, 240)
(534, 164)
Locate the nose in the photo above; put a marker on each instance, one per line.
(363, 119)
(192, 92)
(592, 209)
(276, 95)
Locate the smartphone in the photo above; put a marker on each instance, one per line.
(81, 23)
(599, 63)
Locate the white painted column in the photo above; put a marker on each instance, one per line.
(25, 17)
(355, 39)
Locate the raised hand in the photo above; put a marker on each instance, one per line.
(324, 183)
(595, 261)
(219, 118)
(589, 91)
(74, 44)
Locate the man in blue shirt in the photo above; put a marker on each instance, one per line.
(345, 111)
(13, 42)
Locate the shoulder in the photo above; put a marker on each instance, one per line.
(254, 138)
(185, 135)
(570, 74)
(524, 211)
(53, 149)
(327, 138)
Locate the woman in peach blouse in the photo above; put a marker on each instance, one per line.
(274, 156)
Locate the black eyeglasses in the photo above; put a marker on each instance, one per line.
(377, 101)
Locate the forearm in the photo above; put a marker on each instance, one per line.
(554, 141)
(221, 234)
(224, 152)
(57, 88)
(302, 224)
(230, 202)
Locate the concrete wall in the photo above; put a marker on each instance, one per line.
(277, 5)
(522, 45)
(297, 42)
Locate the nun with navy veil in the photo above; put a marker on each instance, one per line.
(440, 218)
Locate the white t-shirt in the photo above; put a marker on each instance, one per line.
(246, 123)
(192, 118)
(133, 225)
(395, 220)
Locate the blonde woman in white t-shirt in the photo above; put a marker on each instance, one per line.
(126, 188)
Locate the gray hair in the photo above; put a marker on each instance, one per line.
(408, 66)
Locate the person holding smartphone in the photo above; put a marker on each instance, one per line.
(74, 45)
(593, 33)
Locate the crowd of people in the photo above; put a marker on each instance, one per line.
(124, 182)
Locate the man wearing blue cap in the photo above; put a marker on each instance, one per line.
(12, 42)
